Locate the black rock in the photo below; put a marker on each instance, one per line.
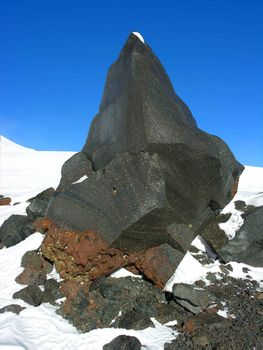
(74, 169)
(213, 234)
(51, 292)
(15, 229)
(39, 203)
(134, 319)
(157, 177)
(247, 245)
(123, 342)
(16, 309)
(30, 294)
(240, 205)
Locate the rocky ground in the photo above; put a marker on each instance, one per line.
(243, 329)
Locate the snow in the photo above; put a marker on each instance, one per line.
(139, 36)
(80, 180)
(124, 273)
(23, 174)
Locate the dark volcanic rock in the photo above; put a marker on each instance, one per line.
(247, 245)
(15, 229)
(16, 309)
(39, 203)
(74, 169)
(31, 295)
(158, 179)
(123, 342)
(195, 300)
(213, 234)
(122, 302)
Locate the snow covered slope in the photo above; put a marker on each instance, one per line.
(24, 173)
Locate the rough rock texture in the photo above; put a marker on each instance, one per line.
(74, 169)
(123, 342)
(16, 309)
(154, 179)
(85, 257)
(242, 329)
(194, 300)
(38, 204)
(14, 230)
(123, 302)
(213, 234)
(30, 294)
(247, 245)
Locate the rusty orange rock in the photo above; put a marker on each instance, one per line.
(5, 201)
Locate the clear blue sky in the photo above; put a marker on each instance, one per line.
(55, 55)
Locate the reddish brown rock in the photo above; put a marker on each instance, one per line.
(159, 263)
(31, 276)
(5, 201)
(85, 257)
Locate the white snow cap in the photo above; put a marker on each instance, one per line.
(139, 36)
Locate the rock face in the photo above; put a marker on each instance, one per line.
(152, 181)
(247, 245)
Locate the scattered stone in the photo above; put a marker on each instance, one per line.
(211, 277)
(229, 267)
(137, 300)
(240, 205)
(247, 245)
(31, 295)
(200, 340)
(224, 270)
(5, 201)
(14, 230)
(16, 309)
(133, 319)
(31, 276)
(204, 319)
(195, 300)
(32, 259)
(123, 342)
(52, 292)
(200, 283)
(245, 269)
(39, 203)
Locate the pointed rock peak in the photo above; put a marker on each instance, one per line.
(139, 36)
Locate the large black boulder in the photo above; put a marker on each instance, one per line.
(157, 177)
(247, 245)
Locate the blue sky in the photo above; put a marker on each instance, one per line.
(54, 57)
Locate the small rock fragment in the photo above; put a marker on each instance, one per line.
(123, 342)
(31, 295)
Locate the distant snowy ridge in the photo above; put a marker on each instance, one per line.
(9, 146)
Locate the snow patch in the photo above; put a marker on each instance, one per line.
(80, 180)
(139, 36)
(124, 273)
